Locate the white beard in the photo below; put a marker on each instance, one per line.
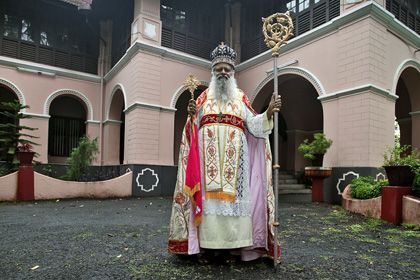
(223, 89)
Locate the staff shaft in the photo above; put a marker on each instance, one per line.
(276, 163)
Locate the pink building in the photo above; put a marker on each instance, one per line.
(115, 70)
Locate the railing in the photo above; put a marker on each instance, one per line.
(47, 55)
(403, 14)
(305, 20)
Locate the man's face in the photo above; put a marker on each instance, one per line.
(223, 71)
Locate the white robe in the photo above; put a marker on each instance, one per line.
(228, 224)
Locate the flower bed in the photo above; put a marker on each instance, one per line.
(366, 207)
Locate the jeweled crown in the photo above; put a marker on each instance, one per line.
(223, 53)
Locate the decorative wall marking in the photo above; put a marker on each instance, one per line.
(380, 174)
(343, 179)
(153, 186)
(150, 30)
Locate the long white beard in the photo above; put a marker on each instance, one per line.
(223, 89)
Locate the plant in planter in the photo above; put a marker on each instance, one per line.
(402, 165)
(315, 150)
(11, 136)
(25, 154)
(365, 187)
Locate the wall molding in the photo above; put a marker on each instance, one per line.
(403, 65)
(72, 92)
(116, 87)
(156, 50)
(181, 90)
(290, 70)
(47, 70)
(143, 105)
(15, 90)
(358, 90)
(36, 116)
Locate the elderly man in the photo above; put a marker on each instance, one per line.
(235, 170)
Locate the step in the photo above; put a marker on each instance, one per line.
(288, 181)
(291, 186)
(296, 191)
(295, 198)
(286, 177)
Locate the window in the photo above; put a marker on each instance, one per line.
(26, 31)
(11, 26)
(291, 6)
(303, 4)
(64, 135)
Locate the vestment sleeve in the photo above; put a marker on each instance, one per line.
(258, 125)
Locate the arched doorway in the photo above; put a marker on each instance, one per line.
(6, 95)
(301, 116)
(407, 107)
(66, 125)
(115, 130)
(181, 117)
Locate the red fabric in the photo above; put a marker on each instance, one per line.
(192, 176)
(225, 119)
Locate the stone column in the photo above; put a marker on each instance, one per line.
(146, 26)
(415, 129)
(93, 131)
(112, 142)
(41, 122)
(361, 126)
(149, 135)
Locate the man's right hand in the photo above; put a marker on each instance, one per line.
(192, 108)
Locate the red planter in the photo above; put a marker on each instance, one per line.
(25, 158)
(25, 189)
(391, 204)
(317, 174)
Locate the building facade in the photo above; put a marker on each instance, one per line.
(115, 70)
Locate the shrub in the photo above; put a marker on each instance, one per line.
(319, 145)
(81, 158)
(366, 187)
(402, 155)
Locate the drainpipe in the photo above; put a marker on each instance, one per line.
(101, 124)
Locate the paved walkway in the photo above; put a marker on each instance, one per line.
(126, 239)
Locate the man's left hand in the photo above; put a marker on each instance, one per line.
(274, 106)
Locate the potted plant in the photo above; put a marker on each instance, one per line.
(315, 149)
(401, 165)
(12, 134)
(25, 154)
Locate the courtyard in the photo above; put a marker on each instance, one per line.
(127, 239)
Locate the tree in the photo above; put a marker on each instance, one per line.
(11, 135)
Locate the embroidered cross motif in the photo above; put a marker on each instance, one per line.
(212, 171)
(229, 174)
(220, 117)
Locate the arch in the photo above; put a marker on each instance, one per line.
(114, 90)
(290, 70)
(296, 122)
(400, 69)
(181, 90)
(73, 92)
(16, 91)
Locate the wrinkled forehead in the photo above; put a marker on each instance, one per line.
(222, 66)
